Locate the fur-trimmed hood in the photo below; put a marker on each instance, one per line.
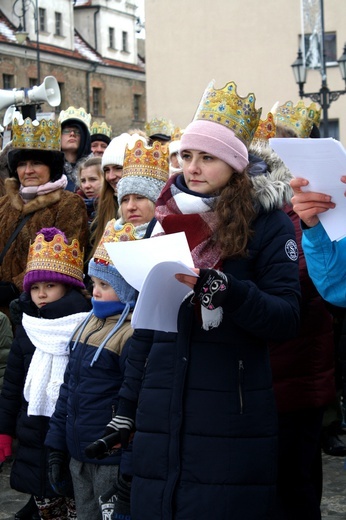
(41, 201)
(270, 177)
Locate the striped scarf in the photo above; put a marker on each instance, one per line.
(178, 209)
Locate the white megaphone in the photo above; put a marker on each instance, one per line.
(48, 91)
(9, 114)
(11, 97)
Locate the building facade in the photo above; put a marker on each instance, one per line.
(189, 43)
(89, 46)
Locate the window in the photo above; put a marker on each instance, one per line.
(42, 19)
(124, 47)
(313, 51)
(136, 105)
(111, 37)
(96, 101)
(32, 82)
(58, 24)
(8, 81)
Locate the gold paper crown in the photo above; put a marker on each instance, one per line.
(159, 126)
(266, 128)
(101, 128)
(225, 107)
(177, 133)
(75, 113)
(147, 161)
(110, 234)
(298, 118)
(45, 135)
(56, 256)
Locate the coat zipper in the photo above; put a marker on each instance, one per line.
(240, 384)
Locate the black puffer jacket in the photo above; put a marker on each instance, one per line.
(206, 419)
(29, 472)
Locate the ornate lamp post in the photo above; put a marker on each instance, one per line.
(324, 96)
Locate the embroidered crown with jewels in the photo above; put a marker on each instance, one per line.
(226, 107)
(299, 118)
(110, 234)
(56, 256)
(75, 113)
(36, 135)
(159, 126)
(147, 161)
(101, 128)
(266, 128)
(177, 133)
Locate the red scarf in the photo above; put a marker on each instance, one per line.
(179, 210)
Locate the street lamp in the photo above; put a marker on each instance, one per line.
(324, 96)
(21, 34)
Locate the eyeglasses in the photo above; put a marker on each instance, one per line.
(68, 131)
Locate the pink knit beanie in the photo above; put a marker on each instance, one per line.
(216, 139)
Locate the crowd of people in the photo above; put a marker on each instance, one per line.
(224, 417)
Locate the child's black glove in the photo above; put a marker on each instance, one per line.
(59, 474)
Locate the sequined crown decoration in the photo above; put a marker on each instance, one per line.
(177, 133)
(298, 118)
(159, 126)
(266, 128)
(56, 256)
(225, 107)
(110, 234)
(36, 135)
(147, 161)
(101, 128)
(75, 113)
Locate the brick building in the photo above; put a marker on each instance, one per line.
(89, 46)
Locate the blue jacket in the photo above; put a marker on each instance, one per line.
(326, 264)
(206, 426)
(29, 473)
(88, 397)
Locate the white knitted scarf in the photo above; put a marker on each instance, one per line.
(46, 371)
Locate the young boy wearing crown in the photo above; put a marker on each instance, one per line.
(54, 303)
(89, 396)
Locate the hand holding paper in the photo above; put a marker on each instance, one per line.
(150, 266)
(322, 162)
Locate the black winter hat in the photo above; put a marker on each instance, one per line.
(53, 159)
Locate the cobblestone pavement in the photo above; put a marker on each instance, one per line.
(333, 501)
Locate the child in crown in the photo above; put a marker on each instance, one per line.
(89, 395)
(53, 303)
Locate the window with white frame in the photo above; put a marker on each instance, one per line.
(125, 41)
(58, 24)
(42, 19)
(111, 37)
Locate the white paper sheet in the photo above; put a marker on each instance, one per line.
(322, 162)
(160, 298)
(135, 258)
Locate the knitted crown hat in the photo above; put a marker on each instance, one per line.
(101, 266)
(145, 170)
(224, 125)
(216, 139)
(52, 259)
